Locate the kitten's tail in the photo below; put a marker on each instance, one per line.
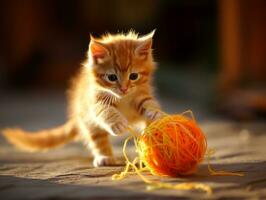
(41, 140)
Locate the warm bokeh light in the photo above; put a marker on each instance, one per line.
(219, 45)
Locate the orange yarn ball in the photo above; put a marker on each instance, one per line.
(172, 146)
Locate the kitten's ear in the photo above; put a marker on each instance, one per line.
(144, 45)
(97, 50)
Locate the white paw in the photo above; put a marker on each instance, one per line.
(152, 114)
(100, 161)
(119, 128)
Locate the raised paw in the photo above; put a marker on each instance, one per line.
(152, 114)
(100, 161)
(119, 128)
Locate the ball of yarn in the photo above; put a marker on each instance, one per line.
(172, 146)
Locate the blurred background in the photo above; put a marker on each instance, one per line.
(211, 54)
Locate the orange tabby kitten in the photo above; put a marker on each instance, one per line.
(112, 92)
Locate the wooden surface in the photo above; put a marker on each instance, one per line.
(67, 173)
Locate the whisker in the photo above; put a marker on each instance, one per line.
(104, 100)
(108, 101)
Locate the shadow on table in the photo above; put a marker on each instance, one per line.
(16, 188)
(23, 188)
(254, 175)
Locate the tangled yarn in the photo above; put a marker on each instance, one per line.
(171, 146)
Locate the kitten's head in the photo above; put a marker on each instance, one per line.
(121, 63)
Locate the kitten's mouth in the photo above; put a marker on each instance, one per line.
(126, 93)
(122, 94)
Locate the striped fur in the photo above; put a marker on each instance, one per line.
(99, 107)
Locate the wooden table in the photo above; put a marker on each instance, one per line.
(67, 173)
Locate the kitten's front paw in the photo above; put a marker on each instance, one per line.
(152, 115)
(119, 128)
(100, 161)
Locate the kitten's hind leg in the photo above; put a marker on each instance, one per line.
(97, 140)
(101, 149)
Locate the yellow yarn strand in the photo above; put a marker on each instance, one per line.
(221, 172)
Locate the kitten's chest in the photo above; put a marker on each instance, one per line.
(126, 107)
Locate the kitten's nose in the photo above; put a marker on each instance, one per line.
(123, 90)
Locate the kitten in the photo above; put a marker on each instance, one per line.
(112, 91)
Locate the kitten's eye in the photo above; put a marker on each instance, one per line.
(133, 76)
(112, 77)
